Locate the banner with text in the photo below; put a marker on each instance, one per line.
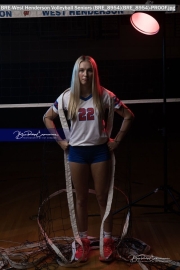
(31, 11)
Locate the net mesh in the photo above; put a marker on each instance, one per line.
(54, 213)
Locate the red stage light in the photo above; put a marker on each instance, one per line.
(144, 23)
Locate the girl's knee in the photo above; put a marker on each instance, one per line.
(81, 202)
(102, 201)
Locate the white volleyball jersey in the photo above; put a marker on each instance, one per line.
(87, 129)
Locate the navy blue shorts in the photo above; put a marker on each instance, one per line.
(89, 154)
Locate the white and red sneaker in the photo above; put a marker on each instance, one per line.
(108, 248)
(83, 251)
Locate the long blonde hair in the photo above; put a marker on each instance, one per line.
(75, 88)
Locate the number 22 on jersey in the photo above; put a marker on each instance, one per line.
(86, 114)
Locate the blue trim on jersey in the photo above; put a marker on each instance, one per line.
(116, 101)
(56, 104)
(85, 99)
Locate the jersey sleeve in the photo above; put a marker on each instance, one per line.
(65, 102)
(55, 106)
(117, 102)
(107, 96)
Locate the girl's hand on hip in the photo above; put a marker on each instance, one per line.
(64, 144)
(112, 144)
